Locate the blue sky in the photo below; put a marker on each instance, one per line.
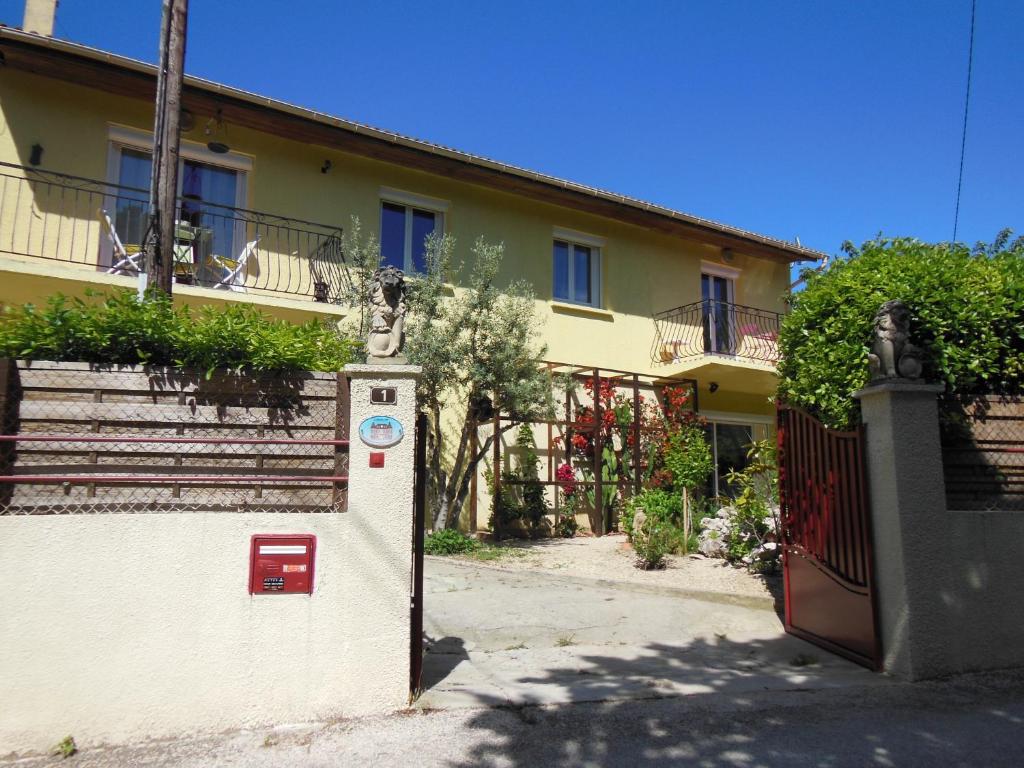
(826, 119)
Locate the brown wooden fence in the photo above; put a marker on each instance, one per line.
(983, 453)
(79, 438)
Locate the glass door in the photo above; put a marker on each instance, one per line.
(717, 295)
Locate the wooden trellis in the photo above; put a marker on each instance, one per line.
(631, 381)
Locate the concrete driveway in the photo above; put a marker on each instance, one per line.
(522, 637)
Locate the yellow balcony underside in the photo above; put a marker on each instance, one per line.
(732, 373)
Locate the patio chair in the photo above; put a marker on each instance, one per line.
(234, 270)
(126, 259)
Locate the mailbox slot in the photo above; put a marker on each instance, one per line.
(281, 564)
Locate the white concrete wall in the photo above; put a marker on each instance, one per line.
(116, 628)
(950, 585)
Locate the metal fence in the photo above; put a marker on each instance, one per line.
(716, 328)
(102, 226)
(983, 452)
(79, 439)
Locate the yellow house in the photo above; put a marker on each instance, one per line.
(266, 188)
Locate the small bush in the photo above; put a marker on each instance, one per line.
(652, 542)
(567, 527)
(657, 504)
(117, 328)
(521, 496)
(449, 542)
(967, 314)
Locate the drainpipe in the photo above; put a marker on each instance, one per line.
(39, 17)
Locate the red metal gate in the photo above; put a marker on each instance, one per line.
(827, 553)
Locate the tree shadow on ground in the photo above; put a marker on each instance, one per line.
(801, 718)
(440, 657)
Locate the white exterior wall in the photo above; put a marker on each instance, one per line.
(117, 628)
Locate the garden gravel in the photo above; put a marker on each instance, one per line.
(611, 558)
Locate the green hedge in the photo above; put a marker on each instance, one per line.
(967, 313)
(118, 328)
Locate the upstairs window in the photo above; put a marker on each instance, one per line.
(406, 222)
(577, 271)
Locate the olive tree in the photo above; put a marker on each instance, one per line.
(478, 346)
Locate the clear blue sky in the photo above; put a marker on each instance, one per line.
(827, 119)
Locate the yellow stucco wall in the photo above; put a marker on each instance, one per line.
(643, 271)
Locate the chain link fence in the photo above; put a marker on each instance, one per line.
(983, 452)
(78, 439)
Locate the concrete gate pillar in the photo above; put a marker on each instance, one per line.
(911, 542)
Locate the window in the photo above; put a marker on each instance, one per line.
(577, 270)
(207, 188)
(729, 445)
(403, 235)
(406, 221)
(717, 294)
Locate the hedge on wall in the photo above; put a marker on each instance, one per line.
(967, 313)
(119, 328)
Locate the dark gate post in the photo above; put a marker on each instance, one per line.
(598, 452)
(418, 528)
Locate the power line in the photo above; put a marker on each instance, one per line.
(963, 138)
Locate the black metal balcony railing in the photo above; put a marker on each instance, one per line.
(98, 225)
(716, 328)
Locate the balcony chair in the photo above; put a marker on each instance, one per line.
(126, 259)
(234, 270)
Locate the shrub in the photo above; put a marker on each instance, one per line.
(656, 503)
(448, 541)
(752, 529)
(967, 314)
(652, 542)
(117, 328)
(566, 527)
(521, 496)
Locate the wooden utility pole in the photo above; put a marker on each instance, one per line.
(166, 142)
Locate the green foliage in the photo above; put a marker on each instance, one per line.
(480, 344)
(756, 518)
(449, 542)
(688, 456)
(967, 314)
(66, 748)
(657, 504)
(661, 531)
(362, 255)
(652, 542)
(521, 497)
(566, 527)
(118, 328)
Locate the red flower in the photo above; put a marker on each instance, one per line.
(566, 476)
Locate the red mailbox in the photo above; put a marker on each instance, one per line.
(281, 564)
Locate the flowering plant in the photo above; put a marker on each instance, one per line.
(566, 477)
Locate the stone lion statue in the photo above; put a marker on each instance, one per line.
(387, 316)
(892, 355)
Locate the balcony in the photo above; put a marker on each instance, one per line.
(97, 226)
(719, 340)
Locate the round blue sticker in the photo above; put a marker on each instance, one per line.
(381, 431)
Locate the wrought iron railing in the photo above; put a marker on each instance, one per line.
(716, 328)
(98, 225)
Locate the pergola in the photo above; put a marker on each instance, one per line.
(630, 381)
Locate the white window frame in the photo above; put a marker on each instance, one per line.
(730, 275)
(123, 137)
(596, 245)
(120, 136)
(760, 429)
(410, 200)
